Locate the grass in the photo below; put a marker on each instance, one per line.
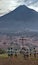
(19, 60)
(3, 55)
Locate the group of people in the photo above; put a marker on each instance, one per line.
(23, 51)
(26, 53)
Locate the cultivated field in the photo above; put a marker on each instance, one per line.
(19, 60)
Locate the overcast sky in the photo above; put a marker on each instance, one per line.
(9, 5)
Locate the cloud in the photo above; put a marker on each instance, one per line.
(9, 5)
(33, 5)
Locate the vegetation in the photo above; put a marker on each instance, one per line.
(19, 60)
(2, 51)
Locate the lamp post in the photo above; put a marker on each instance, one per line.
(34, 53)
(30, 52)
(22, 39)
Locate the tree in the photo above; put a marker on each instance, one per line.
(4, 43)
(2, 51)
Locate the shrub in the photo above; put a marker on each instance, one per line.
(2, 51)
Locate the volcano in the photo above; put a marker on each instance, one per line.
(19, 19)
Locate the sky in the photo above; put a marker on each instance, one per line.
(9, 5)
